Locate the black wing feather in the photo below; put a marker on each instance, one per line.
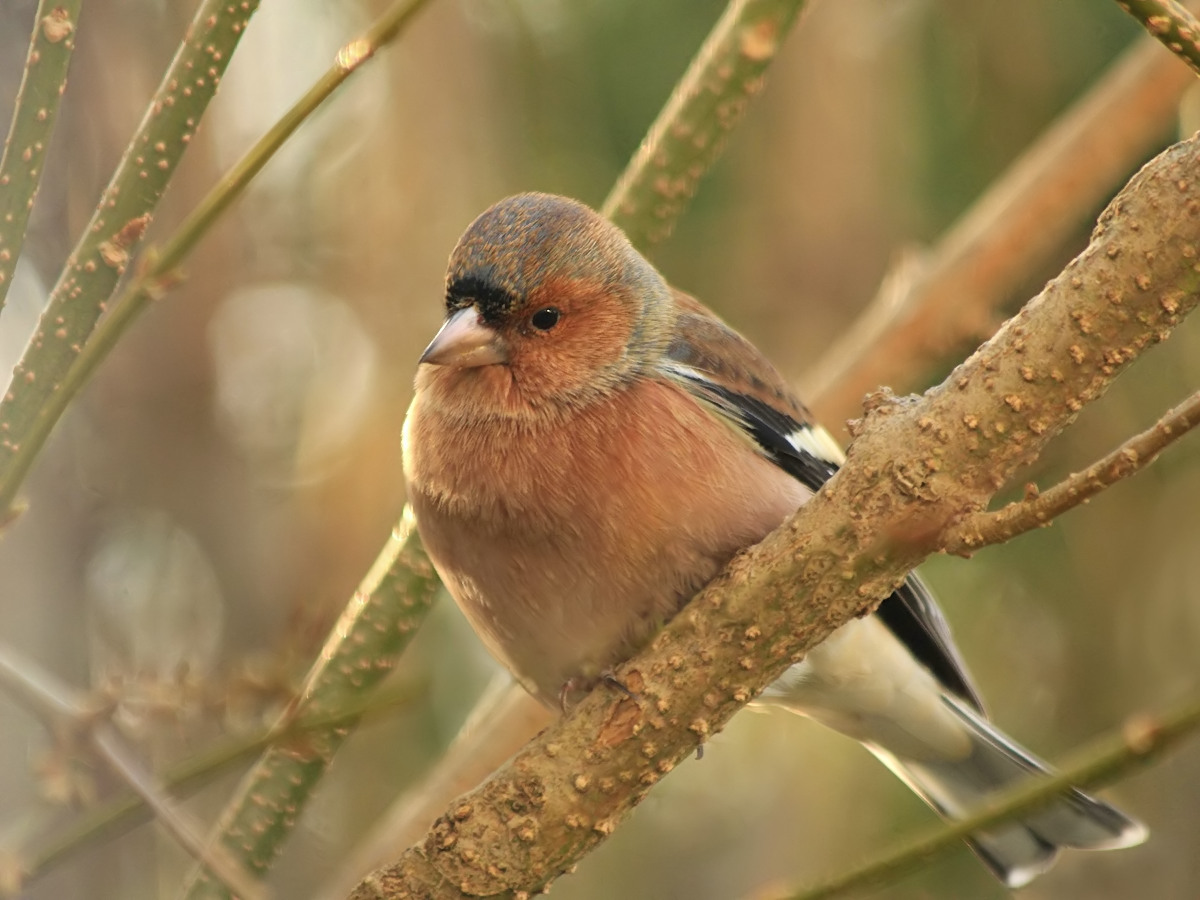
(910, 612)
(913, 616)
(770, 429)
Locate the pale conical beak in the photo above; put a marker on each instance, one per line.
(465, 341)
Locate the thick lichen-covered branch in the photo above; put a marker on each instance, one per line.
(918, 464)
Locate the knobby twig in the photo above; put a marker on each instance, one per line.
(275, 790)
(916, 466)
(34, 115)
(1037, 510)
(361, 650)
(707, 103)
(280, 784)
(1171, 24)
(36, 394)
(933, 302)
(1142, 738)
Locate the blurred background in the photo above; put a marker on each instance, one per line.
(202, 516)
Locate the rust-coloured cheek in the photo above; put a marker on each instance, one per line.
(594, 329)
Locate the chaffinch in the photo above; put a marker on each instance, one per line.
(588, 447)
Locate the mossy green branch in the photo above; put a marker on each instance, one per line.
(22, 440)
(362, 649)
(42, 85)
(112, 236)
(707, 103)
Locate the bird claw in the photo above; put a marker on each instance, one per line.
(580, 684)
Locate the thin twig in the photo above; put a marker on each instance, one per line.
(707, 103)
(951, 294)
(67, 712)
(34, 115)
(161, 270)
(1171, 24)
(38, 394)
(983, 528)
(178, 824)
(117, 816)
(54, 702)
(380, 620)
(1140, 738)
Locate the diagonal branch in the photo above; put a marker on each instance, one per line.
(118, 815)
(983, 528)
(707, 103)
(36, 415)
(178, 824)
(1142, 738)
(361, 651)
(917, 465)
(1171, 24)
(936, 300)
(112, 236)
(71, 716)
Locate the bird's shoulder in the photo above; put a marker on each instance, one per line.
(722, 369)
(703, 342)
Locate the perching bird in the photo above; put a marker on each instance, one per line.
(588, 447)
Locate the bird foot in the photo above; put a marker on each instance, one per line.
(578, 684)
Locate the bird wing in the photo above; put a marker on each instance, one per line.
(727, 373)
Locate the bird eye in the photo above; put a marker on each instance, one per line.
(545, 319)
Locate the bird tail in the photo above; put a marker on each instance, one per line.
(1019, 850)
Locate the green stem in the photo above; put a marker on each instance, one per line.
(34, 115)
(1171, 24)
(362, 649)
(1141, 738)
(39, 392)
(161, 269)
(707, 103)
(118, 816)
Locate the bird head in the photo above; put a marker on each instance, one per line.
(546, 302)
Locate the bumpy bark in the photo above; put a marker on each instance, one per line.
(917, 466)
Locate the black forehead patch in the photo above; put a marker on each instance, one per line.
(511, 248)
(493, 302)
